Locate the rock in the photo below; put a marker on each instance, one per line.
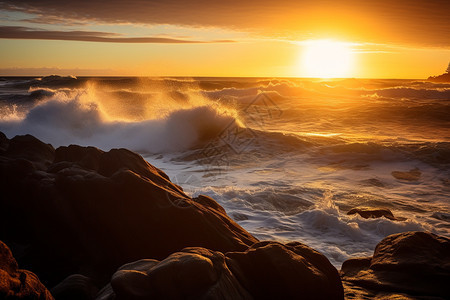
(367, 213)
(271, 270)
(4, 142)
(34, 150)
(85, 157)
(16, 283)
(410, 264)
(266, 270)
(82, 209)
(75, 287)
(440, 78)
(412, 175)
(194, 273)
(373, 182)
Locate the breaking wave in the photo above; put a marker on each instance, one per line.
(66, 116)
(295, 155)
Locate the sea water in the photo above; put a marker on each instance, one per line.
(287, 158)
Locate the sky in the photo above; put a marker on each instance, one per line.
(284, 38)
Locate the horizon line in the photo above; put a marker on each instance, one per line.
(207, 76)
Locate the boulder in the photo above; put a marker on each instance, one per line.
(369, 212)
(4, 142)
(410, 264)
(271, 270)
(29, 147)
(266, 270)
(80, 208)
(411, 175)
(16, 283)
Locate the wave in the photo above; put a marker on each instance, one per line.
(170, 114)
(286, 141)
(78, 117)
(309, 215)
(412, 93)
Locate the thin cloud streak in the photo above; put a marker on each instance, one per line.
(5, 72)
(401, 21)
(19, 32)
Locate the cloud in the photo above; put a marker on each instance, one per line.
(400, 21)
(54, 70)
(19, 32)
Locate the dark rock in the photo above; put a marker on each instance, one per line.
(266, 270)
(75, 287)
(373, 182)
(30, 148)
(209, 202)
(85, 157)
(117, 159)
(194, 273)
(368, 212)
(4, 142)
(440, 78)
(270, 270)
(81, 209)
(412, 264)
(411, 175)
(16, 283)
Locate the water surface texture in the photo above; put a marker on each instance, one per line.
(286, 158)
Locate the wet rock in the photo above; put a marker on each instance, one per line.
(368, 212)
(412, 175)
(271, 270)
(373, 182)
(4, 142)
(16, 283)
(266, 270)
(81, 208)
(29, 147)
(194, 273)
(409, 265)
(85, 157)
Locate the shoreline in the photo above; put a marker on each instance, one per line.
(97, 211)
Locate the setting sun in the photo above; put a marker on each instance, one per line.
(326, 59)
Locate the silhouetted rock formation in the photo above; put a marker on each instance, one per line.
(79, 208)
(440, 78)
(416, 264)
(270, 270)
(443, 77)
(368, 212)
(16, 283)
(82, 211)
(267, 270)
(411, 175)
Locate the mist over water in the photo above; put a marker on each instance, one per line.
(287, 158)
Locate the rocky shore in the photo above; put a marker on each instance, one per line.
(108, 225)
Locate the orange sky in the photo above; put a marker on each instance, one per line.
(404, 39)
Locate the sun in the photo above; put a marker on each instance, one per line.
(326, 59)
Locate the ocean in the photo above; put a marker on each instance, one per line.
(287, 158)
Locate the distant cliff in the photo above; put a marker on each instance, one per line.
(442, 78)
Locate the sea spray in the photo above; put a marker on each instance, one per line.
(334, 147)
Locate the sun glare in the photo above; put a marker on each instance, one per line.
(326, 59)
